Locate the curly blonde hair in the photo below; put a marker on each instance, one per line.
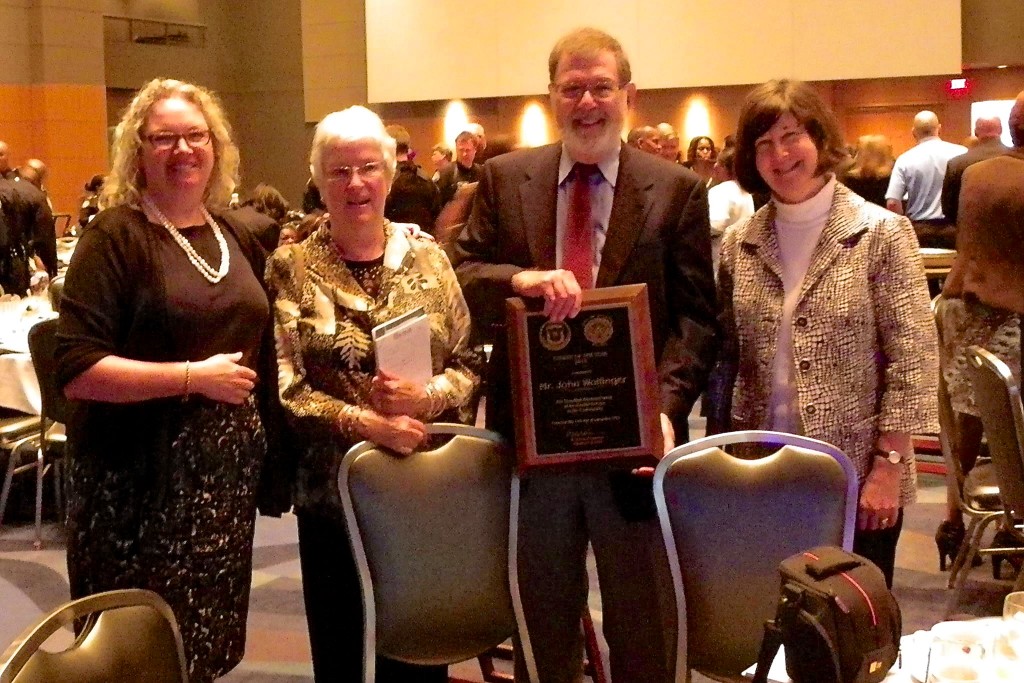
(125, 182)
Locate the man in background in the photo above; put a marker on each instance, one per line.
(669, 143)
(464, 170)
(646, 139)
(915, 188)
(987, 130)
(413, 197)
(28, 244)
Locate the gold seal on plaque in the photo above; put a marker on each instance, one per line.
(555, 336)
(598, 330)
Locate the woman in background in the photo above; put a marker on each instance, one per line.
(872, 167)
(166, 348)
(357, 270)
(700, 157)
(825, 312)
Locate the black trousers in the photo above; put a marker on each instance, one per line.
(880, 546)
(334, 609)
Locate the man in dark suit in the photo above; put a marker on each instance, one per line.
(987, 130)
(646, 221)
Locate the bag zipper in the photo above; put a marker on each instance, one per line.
(860, 589)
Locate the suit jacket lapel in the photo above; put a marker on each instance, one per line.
(842, 226)
(629, 215)
(760, 239)
(539, 195)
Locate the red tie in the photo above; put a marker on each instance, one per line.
(578, 244)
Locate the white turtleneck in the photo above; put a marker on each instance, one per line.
(798, 228)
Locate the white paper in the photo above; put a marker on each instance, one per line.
(402, 347)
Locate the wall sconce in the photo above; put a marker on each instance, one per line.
(533, 126)
(697, 120)
(456, 118)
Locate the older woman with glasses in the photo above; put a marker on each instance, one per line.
(355, 271)
(163, 341)
(825, 311)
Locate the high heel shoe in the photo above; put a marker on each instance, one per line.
(1004, 539)
(948, 539)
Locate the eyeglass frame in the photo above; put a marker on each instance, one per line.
(612, 86)
(206, 133)
(371, 170)
(788, 140)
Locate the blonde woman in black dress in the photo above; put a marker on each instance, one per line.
(163, 343)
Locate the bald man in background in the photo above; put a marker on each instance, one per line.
(915, 188)
(988, 131)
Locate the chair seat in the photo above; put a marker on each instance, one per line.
(13, 429)
(981, 489)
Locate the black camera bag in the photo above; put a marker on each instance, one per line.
(836, 618)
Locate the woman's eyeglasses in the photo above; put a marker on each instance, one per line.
(166, 140)
(368, 171)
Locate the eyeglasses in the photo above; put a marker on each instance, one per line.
(166, 140)
(368, 171)
(601, 91)
(787, 141)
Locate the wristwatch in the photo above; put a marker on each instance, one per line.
(893, 456)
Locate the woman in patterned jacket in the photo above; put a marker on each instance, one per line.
(825, 311)
(355, 271)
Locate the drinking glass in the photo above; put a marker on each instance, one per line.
(1008, 653)
(957, 658)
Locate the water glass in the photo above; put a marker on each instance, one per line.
(1008, 653)
(957, 657)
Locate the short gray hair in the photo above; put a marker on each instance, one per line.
(351, 125)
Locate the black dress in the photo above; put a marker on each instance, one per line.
(162, 493)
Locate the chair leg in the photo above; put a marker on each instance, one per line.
(972, 550)
(40, 471)
(12, 462)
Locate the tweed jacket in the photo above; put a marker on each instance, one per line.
(864, 342)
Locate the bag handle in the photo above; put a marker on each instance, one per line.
(825, 567)
(770, 645)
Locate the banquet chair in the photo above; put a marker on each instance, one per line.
(728, 522)
(976, 493)
(997, 395)
(433, 534)
(124, 635)
(44, 449)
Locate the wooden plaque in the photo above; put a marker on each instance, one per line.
(585, 389)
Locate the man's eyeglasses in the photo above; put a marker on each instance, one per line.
(165, 140)
(368, 171)
(574, 92)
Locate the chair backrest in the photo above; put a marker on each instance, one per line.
(433, 535)
(42, 345)
(997, 395)
(728, 522)
(127, 635)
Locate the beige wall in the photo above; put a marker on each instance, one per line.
(419, 50)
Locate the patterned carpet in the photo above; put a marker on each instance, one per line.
(33, 582)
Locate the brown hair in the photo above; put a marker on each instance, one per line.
(588, 42)
(764, 105)
(874, 158)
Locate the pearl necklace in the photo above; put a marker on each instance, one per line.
(204, 268)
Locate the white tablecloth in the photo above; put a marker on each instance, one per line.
(19, 388)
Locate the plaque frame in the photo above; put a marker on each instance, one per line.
(646, 384)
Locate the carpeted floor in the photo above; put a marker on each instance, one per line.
(33, 582)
